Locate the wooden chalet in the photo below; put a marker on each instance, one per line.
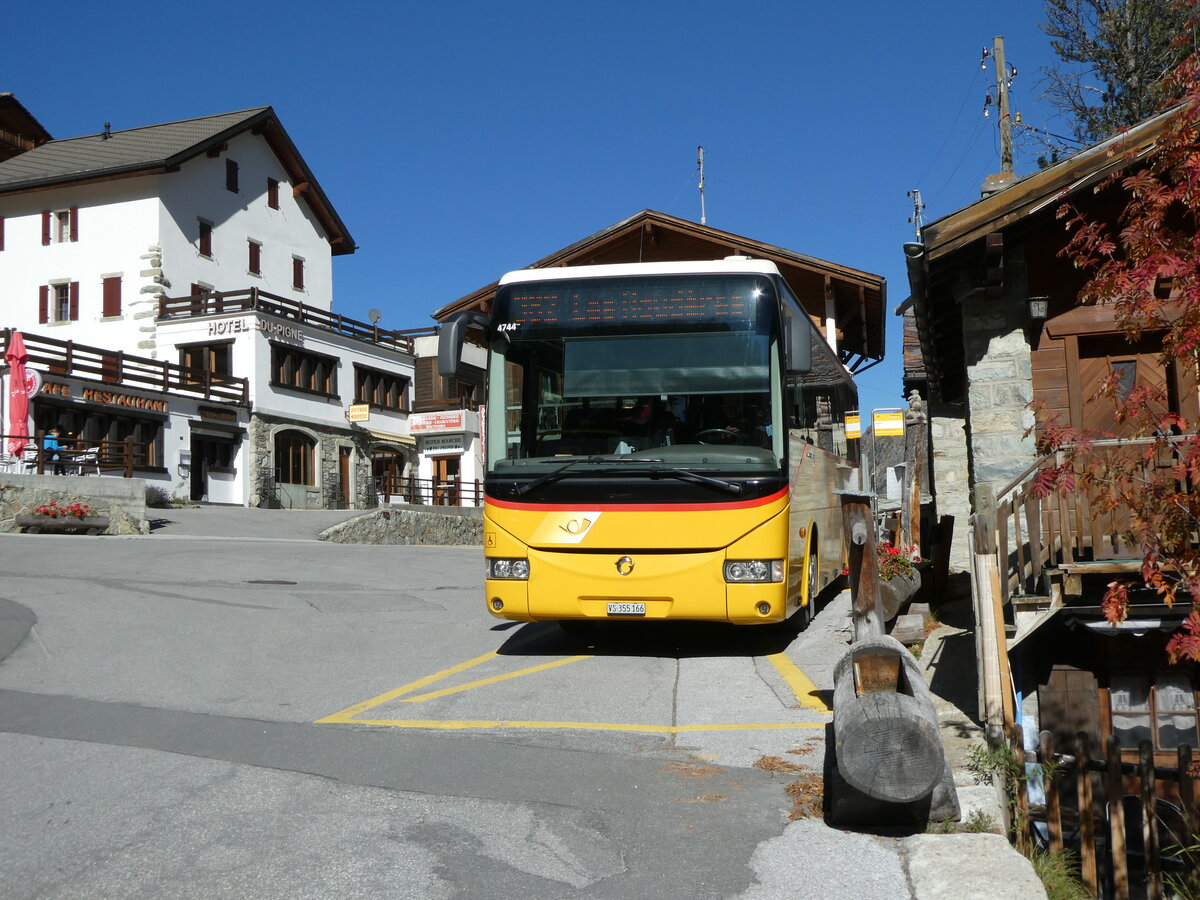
(993, 324)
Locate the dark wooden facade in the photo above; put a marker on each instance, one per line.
(973, 277)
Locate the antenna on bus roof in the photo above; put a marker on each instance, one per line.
(700, 163)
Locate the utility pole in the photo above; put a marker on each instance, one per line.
(918, 216)
(700, 163)
(1006, 149)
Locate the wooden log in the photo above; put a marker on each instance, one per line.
(886, 738)
(894, 592)
(1116, 818)
(866, 611)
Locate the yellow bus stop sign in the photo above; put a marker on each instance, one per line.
(888, 422)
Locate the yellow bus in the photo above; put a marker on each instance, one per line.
(662, 441)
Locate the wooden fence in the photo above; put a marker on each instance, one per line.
(1132, 847)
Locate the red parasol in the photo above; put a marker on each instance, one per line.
(18, 393)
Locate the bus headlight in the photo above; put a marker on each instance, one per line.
(750, 571)
(508, 569)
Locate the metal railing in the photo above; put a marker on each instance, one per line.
(120, 369)
(429, 491)
(252, 299)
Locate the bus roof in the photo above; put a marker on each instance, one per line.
(730, 265)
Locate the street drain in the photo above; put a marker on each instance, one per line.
(268, 581)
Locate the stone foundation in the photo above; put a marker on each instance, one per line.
(122, 500)
(398, 525)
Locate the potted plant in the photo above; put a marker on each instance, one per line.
(898, 576)
(53, 516)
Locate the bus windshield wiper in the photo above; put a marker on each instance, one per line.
(555, 474)
(687, 475)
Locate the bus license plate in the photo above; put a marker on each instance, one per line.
(627, 609)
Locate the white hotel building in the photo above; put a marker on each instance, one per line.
(174, 288)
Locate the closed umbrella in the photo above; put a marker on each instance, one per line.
(18, 393)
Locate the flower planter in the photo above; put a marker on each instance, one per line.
(894, 591)
(35, 524)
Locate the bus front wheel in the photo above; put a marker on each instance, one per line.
(812, 575)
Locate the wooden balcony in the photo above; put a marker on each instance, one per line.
(215, 303)
(1055, 550)
(120, 369)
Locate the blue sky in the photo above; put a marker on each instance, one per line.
(461, 140)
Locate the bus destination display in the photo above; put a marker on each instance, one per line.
(579, 305)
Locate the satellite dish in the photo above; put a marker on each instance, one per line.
(374, 315)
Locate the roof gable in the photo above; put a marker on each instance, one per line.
(1037, 191)
(154, 149)
(650, 236)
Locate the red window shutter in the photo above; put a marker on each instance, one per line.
(112, 296)
(74, 313)
(45, 227)
(205, 239)
(74, 223)
(44, 304)
(272, 193)
(231, 175)
(255, 260)
(297, 273)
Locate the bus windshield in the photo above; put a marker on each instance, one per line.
(677, 371)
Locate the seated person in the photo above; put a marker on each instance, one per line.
(53, 450)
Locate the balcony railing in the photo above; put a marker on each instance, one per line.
(76, 457)
(120, 369)
(428, 491)
(212, 303)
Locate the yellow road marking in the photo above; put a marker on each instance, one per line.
(801, 684)
(587, 726)
(350, 712)
(420, 698)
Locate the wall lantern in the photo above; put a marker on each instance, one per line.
(1039, 308)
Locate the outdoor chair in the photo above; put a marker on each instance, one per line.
(88, 459)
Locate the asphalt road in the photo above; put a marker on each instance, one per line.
(228, 708)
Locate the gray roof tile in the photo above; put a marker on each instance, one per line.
(94, 155)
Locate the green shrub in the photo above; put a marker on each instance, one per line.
(1057, 872)
(157, 498)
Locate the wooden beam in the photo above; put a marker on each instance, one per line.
(216, 150)
(300, 189)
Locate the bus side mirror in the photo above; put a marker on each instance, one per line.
(799, 346)
(450, 339)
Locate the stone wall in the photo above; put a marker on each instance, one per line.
(260, 450)
(399, 525)
(951, 484)
(123, 500)
(999, 391)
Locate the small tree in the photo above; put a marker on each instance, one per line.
(1147, 268)
(1114, 58)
